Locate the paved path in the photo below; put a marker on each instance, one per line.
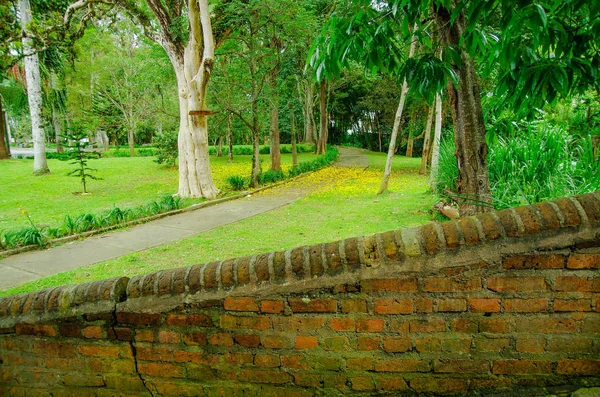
(33, 265)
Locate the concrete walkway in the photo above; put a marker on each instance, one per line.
(33, 265)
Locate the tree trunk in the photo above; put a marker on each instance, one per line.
(274, 146)
(56, 113)
(131, 141)
(34, 93)
(426, 142)
(309, 117)
(220, 147)
(435, 150)
(410, 144)
(4, 142)
(293, 134)
(256, 170)
(397, 121)
(473, 182)
(229, 140)
(322, 140)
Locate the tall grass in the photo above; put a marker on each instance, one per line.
(542, 163)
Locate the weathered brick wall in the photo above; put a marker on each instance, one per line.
(505, 303)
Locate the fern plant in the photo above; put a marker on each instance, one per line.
(75, 143)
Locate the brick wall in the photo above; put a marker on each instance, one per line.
(505, 303)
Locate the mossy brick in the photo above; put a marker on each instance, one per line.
(451, 233)
(444, 284)
(162, 370)
(164, 282)
(267, 360)
(368, 343)
(195, 357)
(469, 231)
(536, 261)
(508, 223)
(260, 323)
(461, 366)
(94, 292)
(572, 305)
(370, 325)
(360, 364)
(195, 339)
(464, 325)
(277, 341)
(326, 363)
(307, 305)
(485, 344)
(38, 305)
(402, 365)
(430, 324)
(456, 345)
(343, 324)
(279, 275)
(546, 324)
(583, 261)
(189, 320)
(261, 267)
(27, 304)
(334, 261)
(549, 218)
(530, 345)
(428, 345)
(179, 280)
(496, 325)
(120, 333)
(521, 367)
(221, 339)
(439, 386)
(534, 305)
(390, 247)
(523, 283)
(227, 273)
(243, 270)
(570, 344)
(530, 219)
(69, 330)
(148, 284)
(297, 259)
(578, 367)
(134, 288)
(299, 324)
(569, 212)
(353, 305)
(240, 304)
(352, 254)
(264, 376)
(490, 226)
(335, 343)
(387, 383)
(35, 329)
(430, 235)
(316, 260)
(397, 344)
(362, 383)
(577, 284)
(370, 251)
(451, 305)
(591, 207)
(211, 278)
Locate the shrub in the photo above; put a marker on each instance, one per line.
(166, 148)
(271, 176)
(236, 182)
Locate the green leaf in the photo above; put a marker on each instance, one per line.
(542, 15)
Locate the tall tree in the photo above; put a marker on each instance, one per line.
(184, 30)
(34, 91)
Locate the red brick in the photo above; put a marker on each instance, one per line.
(45, 348)
(93, 332)
(397, 344)
(439, 385)
(521, 367)
(452, 305)
(240, 304)
(577, 284)
(443, 284)
(273, 307)
(169, 337)
(542, 261)
(306, 342)
(144, 335)
(432, 242)
(569, 212)
(99, 351)
(402, 366)
(530, 218)
(264, 376)
(428, 325)
(390, 285)
(248, 340)
(484, 305)
(294, 361)
(260, 323)
(572, 305)
(502, 284)
(277, 342)
(530, 345)
(342, 324)
(196, 358)
(462, 366)
(191, 320)
(525, 305)
(579, 367)
(570, 344)
(195, 339)
(267, 360)
(69, 330)
(393, 306)
(221, 339)
(301, 324)
(161, 370)
(367, 343)
(354, 306)
(153, 354)
(428, 345)
(306, 305)
(423, 305)
(370, 325)
(138, 318)
(35, 329)
(464, 326)
(584, 261)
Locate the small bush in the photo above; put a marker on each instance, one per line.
(166, 148)
(271, 176)
(236, 182)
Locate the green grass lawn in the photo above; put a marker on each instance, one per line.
(126, 182)
(348, 207)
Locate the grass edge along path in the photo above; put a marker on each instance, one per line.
(17, 240)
